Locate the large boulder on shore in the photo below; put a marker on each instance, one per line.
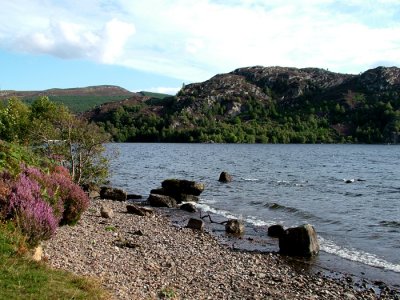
(112, 194)
(234, 227)
(181, 186)
(157, 200)
(299, 241)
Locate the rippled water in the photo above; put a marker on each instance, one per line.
(289, 185)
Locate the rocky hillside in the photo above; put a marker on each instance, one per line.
(268, 104)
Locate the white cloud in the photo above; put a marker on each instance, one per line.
(194, 39)
(116, 35)
(165, 90)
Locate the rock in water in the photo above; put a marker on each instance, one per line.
(113, 194)
(234, 227)
(106, 212)
(225, 177)
(275, 231)
(161, 201)
(179, 186)
(195, 224)
(299, 241)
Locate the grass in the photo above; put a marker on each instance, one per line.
(23, 278)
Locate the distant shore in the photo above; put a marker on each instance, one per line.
(149, 258)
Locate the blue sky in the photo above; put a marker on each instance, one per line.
(159, 44)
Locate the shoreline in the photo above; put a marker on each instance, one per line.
(256, 239)
(149, 258)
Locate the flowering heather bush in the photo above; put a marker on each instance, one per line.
(36, 221)
(68, 200)
(33, 215)
(75, 200)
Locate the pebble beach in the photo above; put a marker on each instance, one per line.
(147, 257)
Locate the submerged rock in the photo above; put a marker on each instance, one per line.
(299, 241)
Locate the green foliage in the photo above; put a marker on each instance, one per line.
(56, 134)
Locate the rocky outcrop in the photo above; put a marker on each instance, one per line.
(234, 227)
(225, 177)
(113, 194)
(299, 241)
(161, 201)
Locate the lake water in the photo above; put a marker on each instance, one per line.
(358, 222)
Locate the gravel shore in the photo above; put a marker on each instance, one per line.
(139, 257)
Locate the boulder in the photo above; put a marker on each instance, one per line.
(112, 194)
(189, 207)
(225, 177)
(299, 241)
(195, 224)
(161, 191)
(275, 231)
(180, 186)
(234, 227)
(133, 196)
(106, 212)
(140, 211)
(186, 198)
(157, 200)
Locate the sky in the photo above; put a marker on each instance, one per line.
(159, 45)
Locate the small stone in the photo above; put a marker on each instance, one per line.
(106, 212)
(195, 224)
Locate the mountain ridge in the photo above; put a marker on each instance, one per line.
(267, 104)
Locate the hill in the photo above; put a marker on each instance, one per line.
(267, 104)
(79, 99)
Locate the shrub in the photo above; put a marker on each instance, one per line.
(32, 214)
(68, 200)
(74, 199)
